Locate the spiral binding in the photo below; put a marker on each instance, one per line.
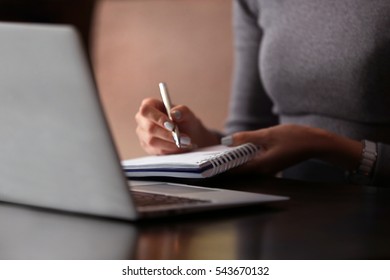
(232, 158)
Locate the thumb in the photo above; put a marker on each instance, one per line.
(238, 138)
(182, 114)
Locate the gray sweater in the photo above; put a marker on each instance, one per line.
(318, 63)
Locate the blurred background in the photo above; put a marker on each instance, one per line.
(134, 44)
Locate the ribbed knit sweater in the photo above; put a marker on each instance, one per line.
(317, 63)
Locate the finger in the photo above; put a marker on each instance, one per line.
(148, 127)
(255, 137)
(182, 114)
(153, 102)
(156, 140)
(159, 146)
(153, 110)
(147, 130)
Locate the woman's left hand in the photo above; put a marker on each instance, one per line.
(285, 145)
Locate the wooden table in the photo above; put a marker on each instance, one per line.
(320, 221)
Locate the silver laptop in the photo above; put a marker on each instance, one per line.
(56, 150)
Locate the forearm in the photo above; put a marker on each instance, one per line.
(335, 149)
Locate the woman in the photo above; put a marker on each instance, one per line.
(311, 87)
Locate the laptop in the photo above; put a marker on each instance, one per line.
(56, 148)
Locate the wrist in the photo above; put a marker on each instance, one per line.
(338, 150)
(208, 137)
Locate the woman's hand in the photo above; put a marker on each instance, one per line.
(285, 145)
(154, 128)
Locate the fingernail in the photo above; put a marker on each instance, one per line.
(169, 126)
(184, 140)
(227, 140)
(176, 115)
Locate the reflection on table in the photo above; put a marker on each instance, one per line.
(320, 221)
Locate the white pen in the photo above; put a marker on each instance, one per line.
(168, 106)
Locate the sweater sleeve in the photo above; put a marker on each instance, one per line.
(250, 108)
(381, 176)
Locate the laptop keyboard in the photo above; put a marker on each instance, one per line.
(143, 199)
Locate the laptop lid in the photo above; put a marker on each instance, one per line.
(55, 146)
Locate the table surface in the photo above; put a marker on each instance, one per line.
(320, 221)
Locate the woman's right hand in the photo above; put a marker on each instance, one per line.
(154, 128)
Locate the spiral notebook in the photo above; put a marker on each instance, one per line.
(201, 163)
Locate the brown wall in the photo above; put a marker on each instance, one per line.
(138, 43)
